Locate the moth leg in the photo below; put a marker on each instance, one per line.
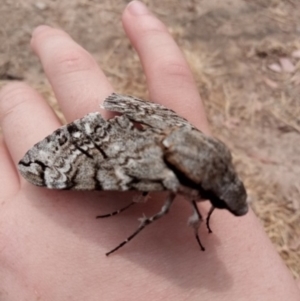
(116, 212)
(195, 221)
(137, 200)
(211, 210)
(145, 221)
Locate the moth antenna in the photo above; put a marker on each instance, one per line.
(195, 221)
(211, 210)
(147, 221)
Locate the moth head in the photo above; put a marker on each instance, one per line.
(232, 197)
(227, 190)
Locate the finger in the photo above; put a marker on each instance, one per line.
(8, 175)
(169, 78)
(25, 118)
(79, 84)
(298, 282)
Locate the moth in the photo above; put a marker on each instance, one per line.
(146, 148)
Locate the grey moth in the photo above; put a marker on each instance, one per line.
(147, 148)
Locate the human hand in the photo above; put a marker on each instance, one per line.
(51, 245)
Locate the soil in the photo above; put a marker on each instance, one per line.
(245, 56)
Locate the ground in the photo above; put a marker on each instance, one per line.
(245, 56)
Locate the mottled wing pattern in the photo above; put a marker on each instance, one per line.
(93, 154)
(54, 161)
(145, 112)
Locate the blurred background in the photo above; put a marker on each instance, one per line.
(245, 56)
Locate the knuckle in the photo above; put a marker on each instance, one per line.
(66, 56)
(12, 96)
(74, 60)
(153, 31)
(150, 26)
(177, 71)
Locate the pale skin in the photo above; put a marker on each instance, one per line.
(51, 245)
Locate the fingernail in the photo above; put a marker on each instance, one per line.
(137, 8)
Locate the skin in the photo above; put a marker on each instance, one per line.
(51, 245)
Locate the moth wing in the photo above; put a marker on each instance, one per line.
(145, 112)
(93, 154)
(185, 152)
(53, 162)
(198, 158)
